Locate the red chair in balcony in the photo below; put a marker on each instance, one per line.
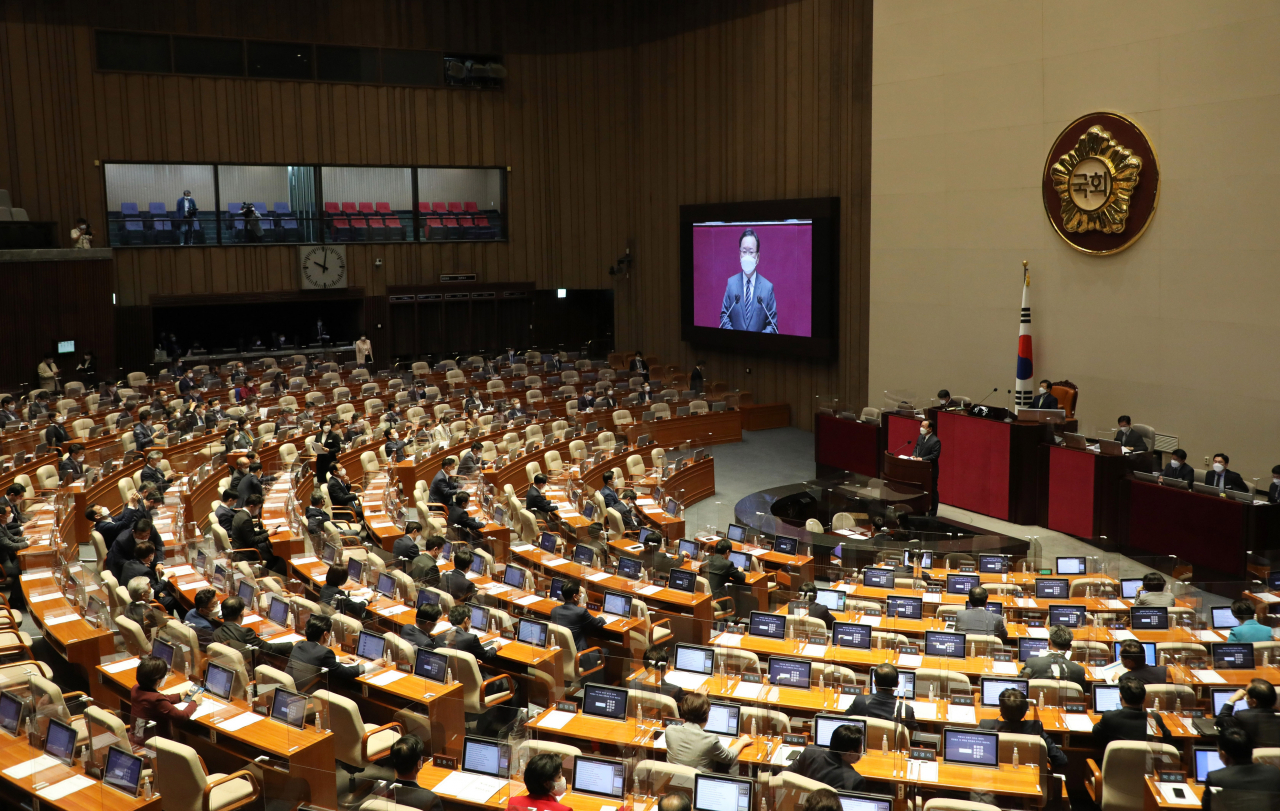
(470, 208)
(439, 208)
(435, 229)
(350, 208)
(455, 208)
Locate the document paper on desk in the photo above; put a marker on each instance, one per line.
(123, 664)
(747, 690)
(924, 710)
(383, 679)
(1190, 799)
(64, 787)
(689, 681)
(240, 721)
(647, 590)
(30, 767)
(1005, 668)
(957, 714)
(529, 600)
(556, 719)
(1077, 721)
(922, 771)
(208, 707)
(1209, 677)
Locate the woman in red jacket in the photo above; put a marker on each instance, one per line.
(151, 705)
(544, 782)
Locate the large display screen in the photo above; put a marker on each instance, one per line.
(761, 276)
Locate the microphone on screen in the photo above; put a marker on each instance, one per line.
(760, 301)
(736, 299)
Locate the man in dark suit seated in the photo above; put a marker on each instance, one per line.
(607, 492)
(141, 566)
(312, 657)
(882, 703)
(1128, 437)
(515, 411)
(947, 403)
(1273, 494)
(1134, 660)
(248, 534)
(577, 620)
(976, 619)
(424, 569)
(1129, 723)
(809, 592)
(1013, 713)
(535, 501)
(1241, 784)
(406, 548)
(459, 517)
(1223, 478)
(720, 571)
(407, 757)
(340, 494)
(1055, 664)
(471, 461)
(74, 463)
(586, 400)
(1178, 468)
(419, 634)
(226, 511)
(1044, 398)
(152, 474)
(442, 487)
(240, 638)
(464, 640)
(454, 582)
(1258, 721)
(55, 436)
(834, 765)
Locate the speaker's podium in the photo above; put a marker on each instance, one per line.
(915, 472)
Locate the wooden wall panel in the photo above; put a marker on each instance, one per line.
(613, 115)
(51, 302)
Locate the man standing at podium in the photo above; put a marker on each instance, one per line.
(928, 449)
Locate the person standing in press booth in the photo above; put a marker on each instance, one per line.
(748, 297)
(928, 449)
(187, 209)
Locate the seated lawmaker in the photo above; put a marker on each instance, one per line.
(883, 703)
(1044, 398)
(1259, 719)
(1241, 784)
(240, 638)
(535, 501)
(1128, 437)
(575, 619)
(1129, 723)
(689, 743)
(976, 619)
(313, 657)
(1273, 494)
(1133, 657)
(406, 759)
(1249, 629)
(833, 765)
(1013, 713)
(466, 641)
(809, 593)
(419, 634)
(406, 548)
(947, 403)
(455, 582)
(1055, 663)
(1153, 592)
(1223, 478)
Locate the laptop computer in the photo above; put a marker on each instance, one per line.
(1075, 441)
(603, 777)
(122, 771)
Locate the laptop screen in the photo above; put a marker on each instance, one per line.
(993, 564)
(824, 725)
(1273, 580)
(1130, 587)
(1106, 697)
(479, 617)
(1069, 615)
(370, 645)
(850, 801)
(477, 564)
(1028, 647)
(619, 604)
(695, 659)
(604, 702)
(773, 626)
(851, 635)
(723, 719)
(1219, 696)
(61, 741)
(355, 568)
(961, 583)
(588, 510)
(484, 756)
(1232, 655)
(1148, 650)
(740, 560)
(970, 746)
(10, 712)
(1150, 618)
(123, 771)
(583, 555)
(717, 793)
(427, 597)
(878, 578)
(547, 542)
(905, 607)
(430, 665)
(689, 548)
(386, 585)
(682, 580)
(785, 544)
(906, 685)
(944, 643)
(557, 589)
(219, 680)
(513, 576)
(245, 592)
(278, 610)
(163, 650)
(600, 776)
(289, 708)
(833, 599)
(1052, 588)
(629, 568)
(1207, 760)
(1223, 618)
(789, 672)
(992, 688)
(532, 632)
(737, 532)
(1071, 565)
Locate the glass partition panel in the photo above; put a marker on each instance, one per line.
(461, 204)
(148, 204)
(267, 204)
(363, 204)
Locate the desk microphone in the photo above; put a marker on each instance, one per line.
(760, 301)
(903, 445)
(984, 399)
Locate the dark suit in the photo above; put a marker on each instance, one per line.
(639, 368)
(1126, 724)
(406, 548)
(820, 611)
(1057, 760)
(1183, 471)
(143, 436)
(55, 435)
(719, 573)
(246, 535)
(459, 516)
(122, 549)
(1233, 480)
(1046, 400)
(695, 380)
(1157, 674)
(535, 501)
(1042, 667)
(469, 463)
(442, 492)
(332, 444)
(309, 658)
(821, 764)
(928, 449)
(341, 496)
(610, 497)
(456, 585)
(186, 209)
(1273, 495)
(71, 466)
(883, 704)
(468, 642)
(981, 621)
(763, 315)
(584, 403)
(409, 793)
(1245, 787)
(418, 638)
(242, 639)
(225, 516)
(606, 402)
(394, 449)
(1131, 439)
(514, 413)
(1259, 723)
(154, 475)
(578, 621)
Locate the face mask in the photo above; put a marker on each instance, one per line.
(560, 788)
(60, 418)
(923, 432)
(748, 263)
(1042, 390)
(1175, 463)
(1218, 467)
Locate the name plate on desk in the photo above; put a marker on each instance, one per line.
(1170, 776)
(933, 589)
(567, 706)
(790, 739)
(666, 722)
(909, 650)
(1001, 657)
(850, 690)
(593, 606)
(962, 701)
(751, 678)
(920, 753)
(1073, 706)
(967, 568)
(1195, 713)
(445, 762)
(507, 633)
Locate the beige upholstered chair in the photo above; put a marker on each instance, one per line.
(467, 672)
(1120, 785)
(356, 745)
(181, 780)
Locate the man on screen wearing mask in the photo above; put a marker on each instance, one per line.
(928, 449)
(748, 297)
(1178, 468)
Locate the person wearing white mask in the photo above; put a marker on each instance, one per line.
(928, 449)
(748, 297)
(1273, 495)
(1178, 468)
(1044, 398)
(1222, 478)
(544, 783)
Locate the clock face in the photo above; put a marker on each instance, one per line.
(323, 266)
